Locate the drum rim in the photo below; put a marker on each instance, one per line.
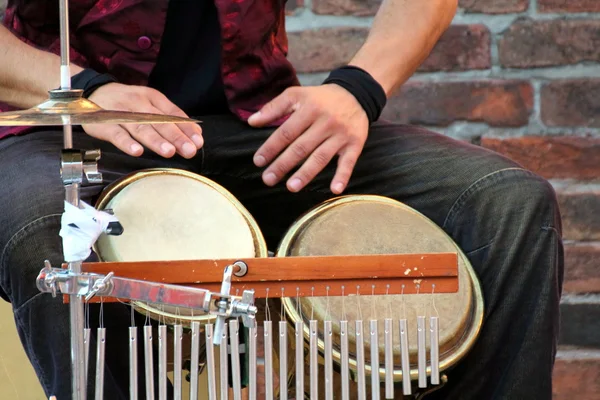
(111, 190)
(292, 315)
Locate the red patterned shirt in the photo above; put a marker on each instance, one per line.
(123, 38)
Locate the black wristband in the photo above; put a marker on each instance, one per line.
(89, 80)
(367, 91)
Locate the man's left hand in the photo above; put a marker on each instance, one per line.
(324, 121)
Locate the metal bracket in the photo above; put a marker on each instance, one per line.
(223, 306)
(88, 285)
(77, 164)
(227, 309)
(100, 286)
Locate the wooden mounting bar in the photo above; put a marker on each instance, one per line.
(302, 276)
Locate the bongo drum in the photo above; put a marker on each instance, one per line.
(364, 224)
(171, 214)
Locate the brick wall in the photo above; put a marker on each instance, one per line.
(521, 77)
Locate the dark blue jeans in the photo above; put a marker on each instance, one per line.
(505, 218)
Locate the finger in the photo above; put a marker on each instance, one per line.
(149, 137)
(174, 135)
(280, 106)
(315, 163)
(283, 136)
(346, 163)
(162, 103)
(184, 145)
(194, 132)
(164, 139)
(116, 135)
(296, 152)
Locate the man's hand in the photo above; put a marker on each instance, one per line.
(324, 121)
(163, 139)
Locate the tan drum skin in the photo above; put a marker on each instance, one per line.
(172, 214)
(366, 224)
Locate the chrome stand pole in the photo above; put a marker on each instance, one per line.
(72, 196)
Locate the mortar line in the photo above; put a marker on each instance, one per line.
(541, 74)
(578, 354)
(306, 19)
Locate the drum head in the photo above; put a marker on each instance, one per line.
(354, 225)
(169, 214)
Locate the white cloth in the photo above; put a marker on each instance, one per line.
(80, 228)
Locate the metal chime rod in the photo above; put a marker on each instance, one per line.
(268, 348)
(235, 360)
(133, 363)
(210, 363)
(345, 361)
(360, 361)
(314, 367)
(374, 333)
(162, 362)
(223, 363)
(177, 360)
(252, 336)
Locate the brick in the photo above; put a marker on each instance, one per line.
(576, 377)
(572, 6)
(496, 102)
(324, 49)
(494, 6)
(346, 7)
(528, 44)
(462, 47)
(571, 103)
(370, 7)
(582, 268)
(553, 157)
(292, 6)
(580, 324)
(580, 211)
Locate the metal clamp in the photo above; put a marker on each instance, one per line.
(232, 308)
(88, 285)
(223, 305)
(100, 286)
(75, 164)
(54, 280)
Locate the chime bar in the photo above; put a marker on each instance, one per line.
(309, 268)
(301, 276)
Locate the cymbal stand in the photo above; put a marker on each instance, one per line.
(74, 165)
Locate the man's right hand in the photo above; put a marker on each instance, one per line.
(163, 139)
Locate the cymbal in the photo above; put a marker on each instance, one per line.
(69, 108)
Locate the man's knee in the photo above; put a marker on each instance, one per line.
(30, 186)
(510, 207)
(23, 255)
(528, 195)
